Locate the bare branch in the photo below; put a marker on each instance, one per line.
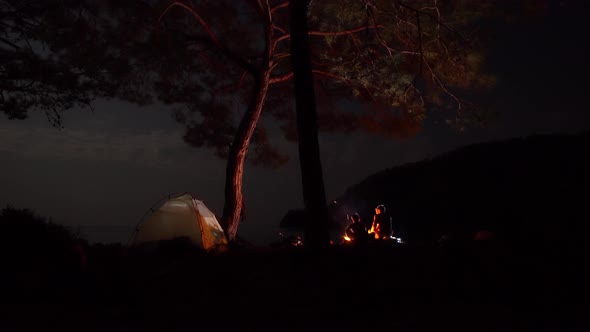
(279, 6)
(235, 57)
(282, 55)
(330, 75)
(344, 32)
(196, 16)
(278, 28)
(436, 79)
(332, 33)
(281, 78)
(435, 18)
(9, 43)
(420, 42)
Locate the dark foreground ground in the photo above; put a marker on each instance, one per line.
(477, 288)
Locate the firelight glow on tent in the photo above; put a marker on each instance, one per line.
(181, 217)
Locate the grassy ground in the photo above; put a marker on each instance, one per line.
(479, 288)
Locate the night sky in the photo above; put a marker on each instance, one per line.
(107, 167)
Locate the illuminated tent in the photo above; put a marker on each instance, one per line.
(181, 217)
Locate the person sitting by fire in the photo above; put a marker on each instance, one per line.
(356, 232)
(381, 227)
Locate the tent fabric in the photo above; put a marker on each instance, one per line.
(182, 216)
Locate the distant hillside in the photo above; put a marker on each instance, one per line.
(525, 188)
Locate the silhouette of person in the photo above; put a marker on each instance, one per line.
(381, 227)
(356, 231)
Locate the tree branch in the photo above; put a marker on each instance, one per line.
(436, 79)
(278, 28)
(420, 42)
(196, 16)
(233, 56)
(279, 6)
(9, 43)
(281, 78)
(243, 63)
(332, 33)
(330, 75)
(344, 32)
(431, 16)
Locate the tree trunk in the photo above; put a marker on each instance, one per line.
(315, 233)
(232, 209)
(234, 200)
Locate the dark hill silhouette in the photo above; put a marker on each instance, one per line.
(523, 190)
